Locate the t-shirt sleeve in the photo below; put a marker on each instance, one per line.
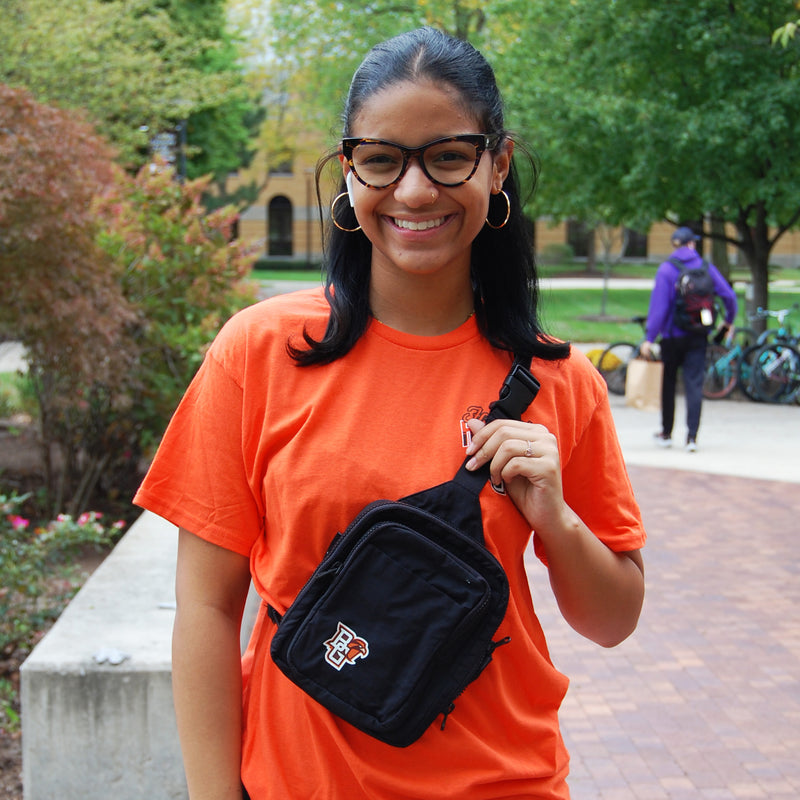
(595, 480)
(198, 479)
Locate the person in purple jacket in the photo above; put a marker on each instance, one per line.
(679, 348)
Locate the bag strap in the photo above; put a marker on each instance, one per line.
(676, 262)
(517, 393)
(457, 500)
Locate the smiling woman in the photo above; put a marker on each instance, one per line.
(311, 406)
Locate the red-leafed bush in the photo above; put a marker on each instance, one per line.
(114, 285)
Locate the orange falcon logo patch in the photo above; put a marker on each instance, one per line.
(345, 647)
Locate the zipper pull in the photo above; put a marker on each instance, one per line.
(450, 709)
(499, 643)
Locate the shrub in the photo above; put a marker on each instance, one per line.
(37, 574)
(38, 577)
(181, 272)
(119, 284)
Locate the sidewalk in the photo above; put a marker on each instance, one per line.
(736, 437)
(703, 701)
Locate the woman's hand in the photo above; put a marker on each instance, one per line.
(599, 592)
(525, 457)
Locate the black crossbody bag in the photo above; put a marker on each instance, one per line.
(399, 617)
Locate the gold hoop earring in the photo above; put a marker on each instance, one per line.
(333, 215)
(508, 214)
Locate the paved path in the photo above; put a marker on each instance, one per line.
(703, 701)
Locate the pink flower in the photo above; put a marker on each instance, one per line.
(18, 523)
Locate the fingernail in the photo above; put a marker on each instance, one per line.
(471, 464)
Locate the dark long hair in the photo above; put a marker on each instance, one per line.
(503, 267)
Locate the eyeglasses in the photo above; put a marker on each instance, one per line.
(449, 161)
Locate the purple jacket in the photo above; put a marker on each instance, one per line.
(662, 300)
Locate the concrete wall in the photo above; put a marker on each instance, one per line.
(98, 730)
(93, 729)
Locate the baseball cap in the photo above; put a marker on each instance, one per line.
(684, 235)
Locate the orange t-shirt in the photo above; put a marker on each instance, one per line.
(270, 460)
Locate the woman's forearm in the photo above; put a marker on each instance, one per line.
(211, 588)
(207, 689)
(599, 592)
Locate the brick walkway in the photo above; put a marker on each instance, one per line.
(703, 701)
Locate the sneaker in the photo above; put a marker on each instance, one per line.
(691, 446)
(662, 440)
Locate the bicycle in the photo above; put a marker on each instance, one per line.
(776, 373)
(731, 365)
(783, 334)
(613, 361)
(769, 374)
(724, 356)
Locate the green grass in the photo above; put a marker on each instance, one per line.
(572, 313)
(285, 275)
(564, 312)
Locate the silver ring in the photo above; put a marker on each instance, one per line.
(529, 450)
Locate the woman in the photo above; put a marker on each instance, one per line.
(310, 405)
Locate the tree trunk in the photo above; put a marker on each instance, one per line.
(754, 242)
(591, 250)
(719, 247)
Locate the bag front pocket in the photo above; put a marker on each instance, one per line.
(394, 609)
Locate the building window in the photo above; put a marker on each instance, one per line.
(279, 226)
(284, 167)
(636, 244)
(579, 238)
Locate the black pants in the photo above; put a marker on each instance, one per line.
(689, 353)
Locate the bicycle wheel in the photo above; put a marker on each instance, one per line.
(744, 378)
(776, 373)
(613, 365)
(721, 372)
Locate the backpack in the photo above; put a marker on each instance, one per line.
(401, 614)
(695, 310)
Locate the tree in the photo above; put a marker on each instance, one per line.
(785, 33)
(667, 111)
(638, 112)
(182, 271)
(300, 57)
(64, 304)
(116, 287)
(137, 68)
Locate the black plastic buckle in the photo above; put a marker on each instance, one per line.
(516, 394)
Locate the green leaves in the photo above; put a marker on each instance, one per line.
(131, 66)
(118, 285)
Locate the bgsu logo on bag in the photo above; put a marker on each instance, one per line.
(345, 647)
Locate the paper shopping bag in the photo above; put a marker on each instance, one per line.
(643, 384)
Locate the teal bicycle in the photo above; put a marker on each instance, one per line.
(774, 370)
(739, 361)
